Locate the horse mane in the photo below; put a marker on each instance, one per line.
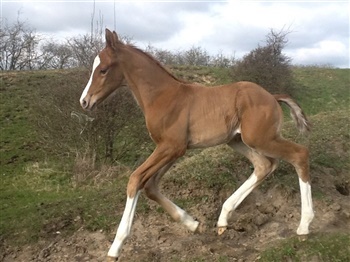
(148, 55)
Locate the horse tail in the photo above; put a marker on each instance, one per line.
(296, 112)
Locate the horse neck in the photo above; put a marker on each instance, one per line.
(146, 79)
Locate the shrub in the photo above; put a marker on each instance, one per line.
(98, 136)
(267, 65)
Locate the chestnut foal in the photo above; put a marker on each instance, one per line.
(181, 116)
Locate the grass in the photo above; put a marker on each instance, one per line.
(41, 209)
(204, 75)
(322, 89)
(19, 142)
(38, 195)
(212, 167)
(332, 135)
(323, 247)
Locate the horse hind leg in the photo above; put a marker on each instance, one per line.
(298, 156)
(262, 167)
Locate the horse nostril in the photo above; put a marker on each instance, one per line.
(84, 104)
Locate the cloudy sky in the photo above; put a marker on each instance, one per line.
(319, 29)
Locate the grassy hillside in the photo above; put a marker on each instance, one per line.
(42, 192)
(322, 89)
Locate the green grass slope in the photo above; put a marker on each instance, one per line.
(38, 196)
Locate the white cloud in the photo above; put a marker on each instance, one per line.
(323, 53)
(231, 27)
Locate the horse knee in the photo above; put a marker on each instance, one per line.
(134, 185)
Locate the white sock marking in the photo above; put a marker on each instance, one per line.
(307, 213)
(234, 200)
(97, 61)
(186, 219)
(124, 227)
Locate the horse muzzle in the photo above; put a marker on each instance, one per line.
(87, 103)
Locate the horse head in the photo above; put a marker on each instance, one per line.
(106, 75)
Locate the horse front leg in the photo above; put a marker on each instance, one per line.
(177, 213)
(124, 227)
(160, 158)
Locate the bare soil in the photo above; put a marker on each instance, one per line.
(262, 219)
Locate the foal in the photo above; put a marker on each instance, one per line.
(180, 116)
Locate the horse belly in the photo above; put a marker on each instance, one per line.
(213, 118)
(211, 135)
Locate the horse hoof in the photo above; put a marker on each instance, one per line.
(221, 230)
(111, 259)
(303, 238)
(193, 227)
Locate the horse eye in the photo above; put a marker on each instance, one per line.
(103, 71)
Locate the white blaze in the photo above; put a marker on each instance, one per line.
(86, 90)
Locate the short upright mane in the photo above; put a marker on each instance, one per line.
(155, 61)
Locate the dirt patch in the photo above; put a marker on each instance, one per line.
(262, 218)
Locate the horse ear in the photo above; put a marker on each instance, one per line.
(112, 39)
(116, 36)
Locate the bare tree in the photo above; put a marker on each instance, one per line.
(18, 44)
(220, 60)
(84, 51)
(196, 56)
(166, 57)
(56, 56)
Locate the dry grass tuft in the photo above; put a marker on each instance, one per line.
(86, 172)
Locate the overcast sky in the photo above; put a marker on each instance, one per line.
(319, 29)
